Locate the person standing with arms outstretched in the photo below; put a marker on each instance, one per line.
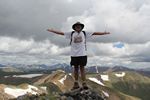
(78, 39)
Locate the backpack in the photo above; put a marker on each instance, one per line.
(84, 36)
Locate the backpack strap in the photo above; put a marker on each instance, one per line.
(85, 39)
(71, 37)
(84, 35)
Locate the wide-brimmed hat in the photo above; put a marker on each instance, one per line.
(77, 23)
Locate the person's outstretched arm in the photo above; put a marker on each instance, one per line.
(100, 33)
(55, 31)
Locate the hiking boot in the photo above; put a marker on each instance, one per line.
(84, 86)
(75, 86)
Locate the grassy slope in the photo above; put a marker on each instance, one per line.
(130, 87)
(132, 84)
(113, 93)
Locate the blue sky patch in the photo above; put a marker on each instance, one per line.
(118, 45)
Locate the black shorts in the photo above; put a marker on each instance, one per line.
(79, 61)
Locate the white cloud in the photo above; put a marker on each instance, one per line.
(128, 21)
(29, 51)
(9, 44)
(129, 50)
(13, 50)
(14, 45)
(129, 55)
(23, 32)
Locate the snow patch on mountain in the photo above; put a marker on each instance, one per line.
(122, 74)
(105, 93)
(28, 75)
(19, 92)
(105, 77)
(96, 81)
(63, 79)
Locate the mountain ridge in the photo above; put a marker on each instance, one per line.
(42, 68)
(114, 85)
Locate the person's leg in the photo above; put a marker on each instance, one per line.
(76, 76)
(76, 73)
(74, 63)
(83, 77)
(82, 71)
(83, 62)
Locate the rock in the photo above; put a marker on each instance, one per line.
(31, 97)
(27, 97)
(81, 94)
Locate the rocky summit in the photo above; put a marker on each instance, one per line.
(81, 94)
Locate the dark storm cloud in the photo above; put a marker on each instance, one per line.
(127, 20)
(31, 18)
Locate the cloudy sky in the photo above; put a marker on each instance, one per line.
(24, 39)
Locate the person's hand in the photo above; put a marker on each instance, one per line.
(107, 32)
(50, 30)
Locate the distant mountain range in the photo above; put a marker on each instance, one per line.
(42, 68)
(1, 65)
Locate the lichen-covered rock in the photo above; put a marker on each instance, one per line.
(32, 97)
(81, 94)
